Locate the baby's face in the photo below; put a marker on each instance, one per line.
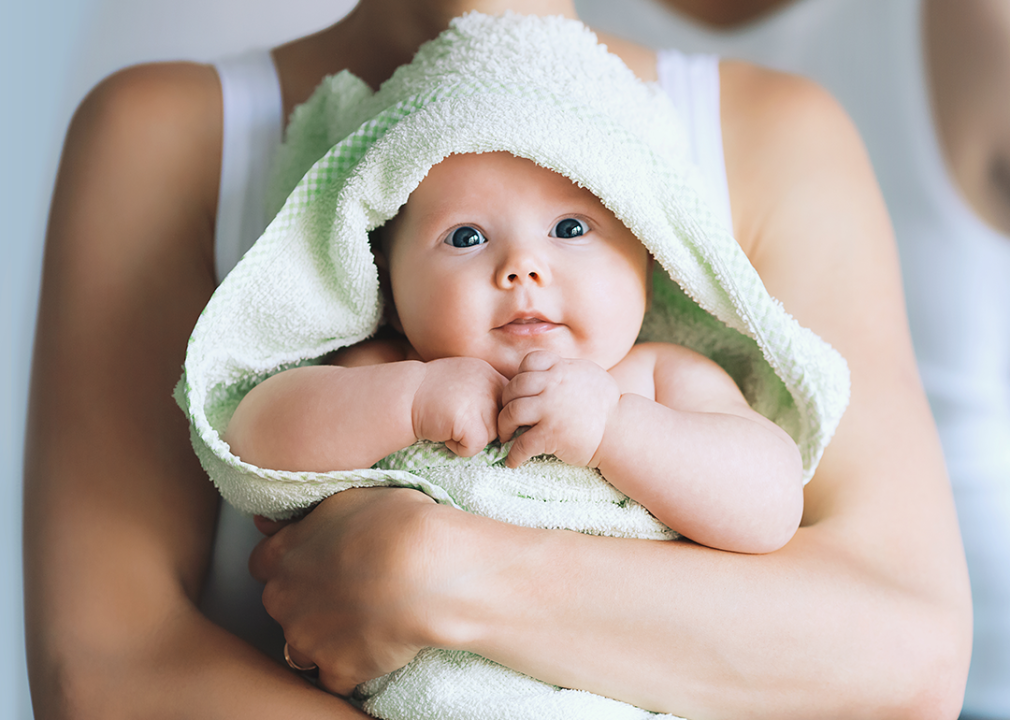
(493, 257)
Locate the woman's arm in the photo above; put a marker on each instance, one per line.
(865, 613)
(119, 517)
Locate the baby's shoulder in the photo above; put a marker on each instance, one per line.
(647, 365)
(376, 351)
(668, 362)
(684, 379)
(659, 355)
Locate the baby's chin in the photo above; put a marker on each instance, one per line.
(507, 359)
(510, 366)
(505, 364)
(507, 369)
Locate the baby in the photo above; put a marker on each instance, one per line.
(517, 299)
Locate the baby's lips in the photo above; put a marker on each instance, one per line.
(525, 327)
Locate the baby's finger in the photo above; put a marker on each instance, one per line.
(538, 361)
(524, 411)
(490, 420)
(499, 382)
(474, 437)
(525, 384)
(527, 445)
(465, 447)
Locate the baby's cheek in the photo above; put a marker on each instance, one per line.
(438, 331)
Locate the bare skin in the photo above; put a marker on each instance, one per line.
(864, 614)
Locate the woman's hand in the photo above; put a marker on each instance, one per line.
(348, 586)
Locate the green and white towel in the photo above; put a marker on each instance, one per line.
(543, 89)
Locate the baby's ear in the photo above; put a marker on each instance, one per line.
(388, 308)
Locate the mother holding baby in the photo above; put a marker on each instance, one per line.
(130, 612)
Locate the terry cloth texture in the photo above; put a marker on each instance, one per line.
(543, 89)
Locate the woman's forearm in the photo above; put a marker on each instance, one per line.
(810, 631)
(864, 614)
(176, 665)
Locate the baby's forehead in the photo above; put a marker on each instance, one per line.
(501, 165)
(479, 180)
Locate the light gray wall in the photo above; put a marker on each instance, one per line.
(38, 42)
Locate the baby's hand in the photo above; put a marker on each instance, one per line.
(566, 404)
(457, 403)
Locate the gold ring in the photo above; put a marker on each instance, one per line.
(295, 666)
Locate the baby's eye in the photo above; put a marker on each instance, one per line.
(465, 237)
(569, 228)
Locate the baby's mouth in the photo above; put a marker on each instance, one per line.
(528, 325)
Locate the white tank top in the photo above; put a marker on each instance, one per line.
(870, 55)
(252, 131)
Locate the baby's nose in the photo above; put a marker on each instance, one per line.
(532, 275)
(523, 267)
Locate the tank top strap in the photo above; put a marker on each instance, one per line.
(252, 128)
(692, 83)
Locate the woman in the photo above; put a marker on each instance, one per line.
(924, 82)
(865, 613)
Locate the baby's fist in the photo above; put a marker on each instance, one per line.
(457, 403)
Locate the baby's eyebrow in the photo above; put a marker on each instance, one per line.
(448, 217)
(433, 216)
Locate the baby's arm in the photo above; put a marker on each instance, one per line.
(369, 403)
(701, 460)
(698, 457)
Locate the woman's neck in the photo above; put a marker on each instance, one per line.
(434, 15)
(402, 25)
(378, 36)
